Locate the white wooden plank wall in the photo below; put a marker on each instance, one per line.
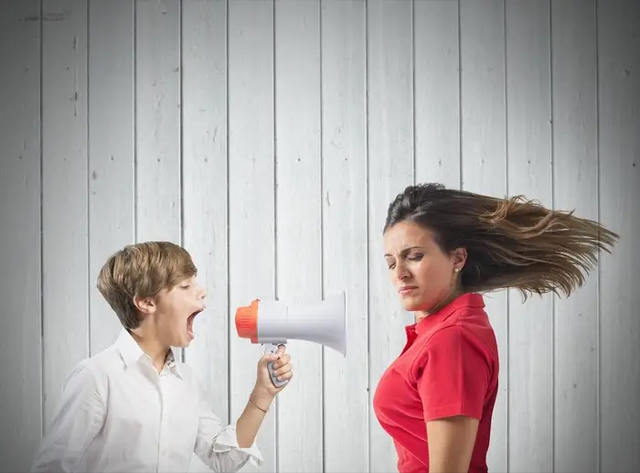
(268, 137)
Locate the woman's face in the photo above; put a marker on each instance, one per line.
(421, 273)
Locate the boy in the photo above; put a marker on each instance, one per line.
(134, 407)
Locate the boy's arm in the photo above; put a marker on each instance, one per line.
(78, 419)
(229, 448)
(252, 416)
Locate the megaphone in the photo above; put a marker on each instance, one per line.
(274, 323)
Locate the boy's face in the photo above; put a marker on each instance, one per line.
(175, 310)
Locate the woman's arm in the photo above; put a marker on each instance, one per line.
(451, 442)
(452, 376)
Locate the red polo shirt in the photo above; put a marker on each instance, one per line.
(448, 367)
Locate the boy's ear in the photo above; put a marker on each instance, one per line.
(146, 305)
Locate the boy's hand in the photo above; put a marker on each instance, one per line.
(264, 388)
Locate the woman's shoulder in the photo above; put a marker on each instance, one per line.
(461, 335)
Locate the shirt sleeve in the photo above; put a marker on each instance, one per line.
(217, 444)
(453, 375)
(78, 418)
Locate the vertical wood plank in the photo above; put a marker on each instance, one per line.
(484, 164)
(205, 186)
(204, 150)
(344, 227)
(158, 168)
(20, 291)
(251, 197)
(619, 154)
(529, 164)
(111, 151)
(298, 223)
(64, 194)
(391, 169)
(575, 179)
(437, 92)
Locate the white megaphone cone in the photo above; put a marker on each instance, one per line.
(274, 323)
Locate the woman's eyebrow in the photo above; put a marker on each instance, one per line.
(406, 250)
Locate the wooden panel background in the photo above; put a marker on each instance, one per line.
(268, 137)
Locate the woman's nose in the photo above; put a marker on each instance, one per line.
(401, 272)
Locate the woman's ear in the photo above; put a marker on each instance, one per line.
(459, 258)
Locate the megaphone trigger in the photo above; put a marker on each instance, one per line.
(273, 348)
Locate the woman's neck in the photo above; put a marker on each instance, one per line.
(448, 299)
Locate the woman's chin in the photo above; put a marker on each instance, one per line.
(410, 305)
(413, 304)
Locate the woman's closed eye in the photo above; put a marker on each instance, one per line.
(415, 257)
(411, 257)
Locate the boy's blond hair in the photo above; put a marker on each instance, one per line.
(142, 270)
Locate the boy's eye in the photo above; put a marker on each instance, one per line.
(186, 286)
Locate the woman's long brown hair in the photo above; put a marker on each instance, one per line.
(511, 243)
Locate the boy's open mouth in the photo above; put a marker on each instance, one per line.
(190, 323)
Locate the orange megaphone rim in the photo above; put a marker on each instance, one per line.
(247, 321)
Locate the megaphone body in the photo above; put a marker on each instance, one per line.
(274, 323)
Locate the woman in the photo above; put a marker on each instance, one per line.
(443, 247)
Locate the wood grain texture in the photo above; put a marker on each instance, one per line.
(298, 224)
(529, 164)
(344, 230)
(484, 166)
(370, 97)
(619, 168)
(158, 102)
(20, 291)
(65, 197)
(390, 159)
(437, 92)
(205, 186)
(111, 152)
(575, 183)
(205, 191)
(251, 197)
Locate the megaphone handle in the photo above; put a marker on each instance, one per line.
(272, 348)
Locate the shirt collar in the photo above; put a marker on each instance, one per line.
(464, 300)
(131, 352)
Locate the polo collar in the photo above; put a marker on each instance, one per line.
(131, 352)
(464, 300)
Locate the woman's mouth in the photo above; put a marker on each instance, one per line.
(406, 290)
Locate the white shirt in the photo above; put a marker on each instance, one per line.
(118, 414)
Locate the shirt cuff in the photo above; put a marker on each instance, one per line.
(227, 442)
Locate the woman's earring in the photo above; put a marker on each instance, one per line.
(457, 270)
